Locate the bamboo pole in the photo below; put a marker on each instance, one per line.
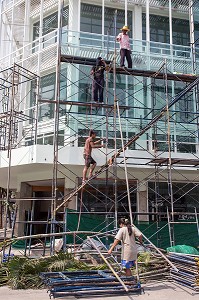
(158, 250)
(116, 154)
(109, 265)
(40, 236)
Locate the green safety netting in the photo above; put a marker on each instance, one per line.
(184, 233)
(183, 249)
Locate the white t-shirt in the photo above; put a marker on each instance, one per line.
(129, 248)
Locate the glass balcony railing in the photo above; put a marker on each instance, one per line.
(145, 55)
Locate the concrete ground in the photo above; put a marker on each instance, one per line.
(153, 291)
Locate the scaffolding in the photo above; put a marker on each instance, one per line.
(12, 119)
(159, 165)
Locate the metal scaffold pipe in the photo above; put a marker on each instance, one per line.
(56, 122)
(134, 138)
(115, 115)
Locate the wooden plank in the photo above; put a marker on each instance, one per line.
(126, 71)
(85, 104)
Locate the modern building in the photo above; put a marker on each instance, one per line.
(47, 50)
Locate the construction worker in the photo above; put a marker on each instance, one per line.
(125, 48)
(98, 80)
(89, 161)
(126, 235)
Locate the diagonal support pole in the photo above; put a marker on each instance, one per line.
(133, 139)
(108, 264)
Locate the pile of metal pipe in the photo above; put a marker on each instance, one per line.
(83, 283)
(188, 270)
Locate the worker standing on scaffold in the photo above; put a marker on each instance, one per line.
(98, 80)
(125, 48)
(126, 235)
(89, 161)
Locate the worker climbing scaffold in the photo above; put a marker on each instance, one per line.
(89, 161)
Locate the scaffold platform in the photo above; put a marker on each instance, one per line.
(125, 71)
(87, 104)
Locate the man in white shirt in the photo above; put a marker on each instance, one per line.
(125, 49)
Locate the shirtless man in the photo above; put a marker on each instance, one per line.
(89, 145)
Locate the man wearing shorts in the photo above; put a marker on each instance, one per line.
(89, 161)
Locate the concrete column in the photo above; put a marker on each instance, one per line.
(74, 24)
(74, 40)
(23, 205)
(147, 21)
(137, 22)
(142, 202)
(137, 38)
(73, 202)
(138, 63)
(1, 26)
(69, 186)
(5, 36)
(74, 15)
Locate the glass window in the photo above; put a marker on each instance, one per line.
(47, 92)
(109, 21)
(144, 27)
(159, 30)
(186, 144)
(196, 26)
(146, 95)
(130, 136)
(181, 34)
(160, 142)
(48, 138)
(158, 91)
(122, 92)
(91, 19)
(50, 23)
(94, 199)
(83, 134)
(85, 87)
(185, 196)
(185, 106)
(196, 20)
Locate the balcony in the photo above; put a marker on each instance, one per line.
(145, 55)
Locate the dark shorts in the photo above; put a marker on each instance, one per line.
(89, 160)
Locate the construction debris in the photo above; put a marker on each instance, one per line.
(152, 266)
(23, 272)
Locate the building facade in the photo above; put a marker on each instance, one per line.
(41, 140)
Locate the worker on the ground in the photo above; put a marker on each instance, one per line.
(89, 161)
(98, 80)
(125, 48)
(126, 235)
